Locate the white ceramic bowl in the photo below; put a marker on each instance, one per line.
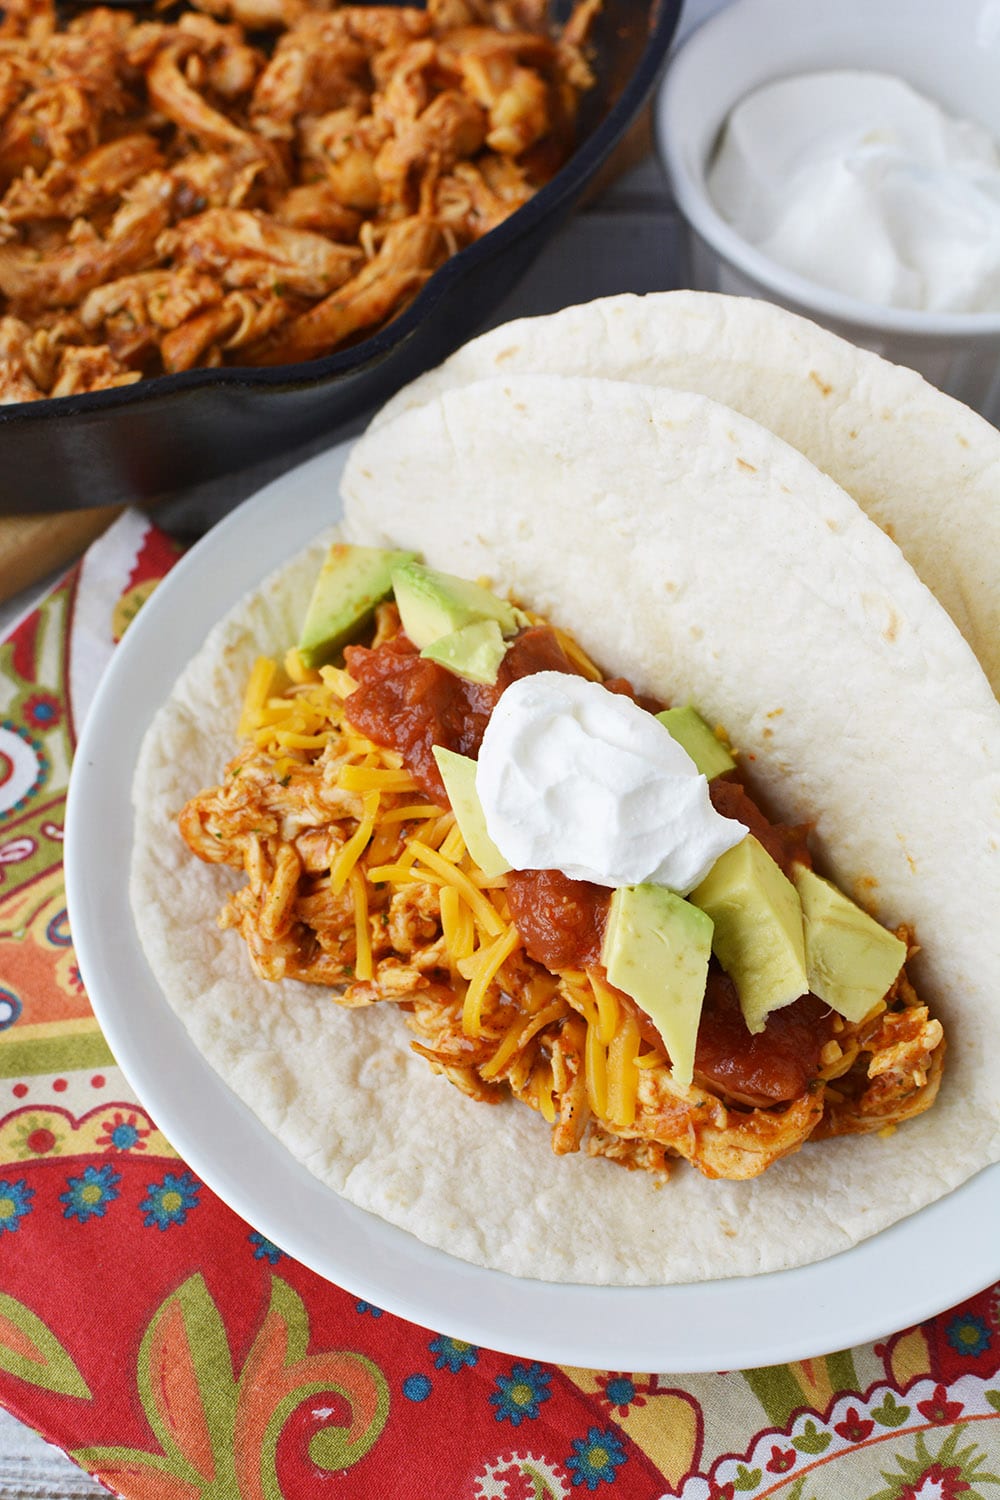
(949, 51)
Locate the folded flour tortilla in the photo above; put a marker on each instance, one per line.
(692, 551)
(924, 467)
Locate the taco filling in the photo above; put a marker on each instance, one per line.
(376, 866)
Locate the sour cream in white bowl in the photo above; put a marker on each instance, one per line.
(950, 54)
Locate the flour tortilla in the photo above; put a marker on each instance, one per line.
(692, 551)
(924, 467)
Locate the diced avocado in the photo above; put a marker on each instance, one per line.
(458, 773)
(351, 582)
(758, 929)
(475, 651)
(689, 729)
(851, 960)
(433, 604)
(656, 949)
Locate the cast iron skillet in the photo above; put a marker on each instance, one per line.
(146, 440)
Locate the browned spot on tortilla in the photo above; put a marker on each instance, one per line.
(821, 385)
(964, 441)
(909, 857)
(768, 734)
(863, 886)
(775, 713)
(508, 353)
(727, 1229)
(832, 525)
(890, 531)
(853, 433)
(520, 406)
(750, 468)
(892, 629)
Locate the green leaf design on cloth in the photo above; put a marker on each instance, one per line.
(31, 1351)
(993, 1397)
(952, 1470)
(746, 1479)
(890, 1413)
(219, 1434)
(811, 1440)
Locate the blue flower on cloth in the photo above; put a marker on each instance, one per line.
(968, 1334)
(87, 1197)
(368, 1307)
(264, 1249)
(452, 1354)
(595, 1458)
(15, 1202)
(519, 1394)
(167, 1202)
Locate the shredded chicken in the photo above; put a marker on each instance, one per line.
(288, 818)
(256, 181)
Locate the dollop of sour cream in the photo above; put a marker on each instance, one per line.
(856, 181)
(575, 778)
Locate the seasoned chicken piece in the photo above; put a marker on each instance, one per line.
(382, 27)
(315, 68)
(344, 145)
(180, 101)
(130, 314)
(16, 384)
(216, 179)
(408, 255)
(241, 318)
(90, 369)
(451, 128)
(68, 190)
(18, 75)
(257, 15)
(316, 206)
(162, 298)
(405, 82)
(252, 249)
(414, 918)
(474, 198)
(28, 357)
(34, 20)
(56, 123)
(897, 1076)
(19, 376)
(520, 115)
(87, 260)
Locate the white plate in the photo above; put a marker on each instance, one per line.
(926, 1263)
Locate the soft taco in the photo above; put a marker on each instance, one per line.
(922, 465)
(687, 549)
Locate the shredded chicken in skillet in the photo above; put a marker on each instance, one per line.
(356, 881)
(257, 181)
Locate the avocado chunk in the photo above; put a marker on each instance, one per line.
(758, 936)
(689, 729)
(851, 960)
(433, 604)
(656, 949)
(351, 582)
(474, 652)
(458, 773)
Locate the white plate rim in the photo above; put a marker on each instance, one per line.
(888, 1282)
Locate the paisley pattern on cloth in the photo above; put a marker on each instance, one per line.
(179, 1355)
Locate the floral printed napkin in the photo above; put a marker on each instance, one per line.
(178, 1355)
